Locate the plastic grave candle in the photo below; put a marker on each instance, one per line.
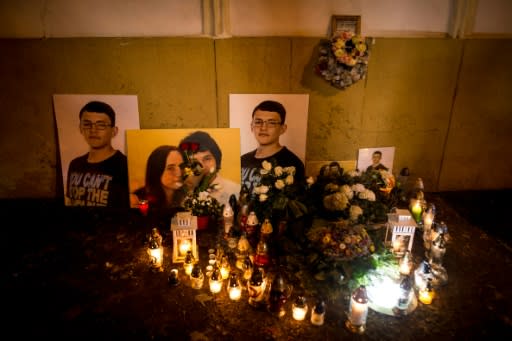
(299, 308)
(174, 278)
(228, 218)
(256, 287)
(404, 298)
(422, 273)
(318, 313)
(215, 281)
(234, 287)
(405, 264)
(156, 250)
(196, 277)
(225, 268)
(189, 262)
(261, 258)
(437, 250)
(358, 311)
(247, 268)
(427, 294)
(416, 208)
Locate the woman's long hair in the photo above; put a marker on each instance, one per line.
(154, 168)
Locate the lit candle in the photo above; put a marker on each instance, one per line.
(299, 308)
(143, 206)
(416, 209)
(188, 264)
(405, 264)
(427, 294)
(428, 218)
(215, 281)
(185, 246)
(234, 287)
(358, 310)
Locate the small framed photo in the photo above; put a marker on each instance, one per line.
(378, 158)
(340, 23)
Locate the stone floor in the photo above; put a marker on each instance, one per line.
(83, 274)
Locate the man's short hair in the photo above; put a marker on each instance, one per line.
(99, 107)
(377, 152)
(272, 106)
(206, 143)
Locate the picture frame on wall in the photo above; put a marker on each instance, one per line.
(340, 23)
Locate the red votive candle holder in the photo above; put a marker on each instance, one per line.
(143, 206)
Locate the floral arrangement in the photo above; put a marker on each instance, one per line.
(360, 197)
(277, 192)
(203, 204)
(198, 201)
(343, 59)
(341, 240)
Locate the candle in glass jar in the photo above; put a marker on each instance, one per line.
(143, 206)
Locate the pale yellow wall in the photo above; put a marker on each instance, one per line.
(448, 127)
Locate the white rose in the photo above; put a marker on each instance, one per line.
(261, 189)
(345, 189)
(355, 212)
(290, 170)
(310, 180)
(358, 188)
(263, 197)
(279, 184)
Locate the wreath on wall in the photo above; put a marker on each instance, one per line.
(343, 59)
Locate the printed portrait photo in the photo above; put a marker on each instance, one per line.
(154, 160)
(92, 144)
(376, 158)
(241, 107)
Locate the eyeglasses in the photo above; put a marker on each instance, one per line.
(270, 123)
(98, 125)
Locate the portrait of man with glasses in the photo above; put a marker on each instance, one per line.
(267, 125)
(99, 177)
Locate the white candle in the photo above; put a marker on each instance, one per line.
(299, 313)
(358, 313)
(235, 293)
(215, 286)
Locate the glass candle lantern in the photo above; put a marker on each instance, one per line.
(234, 287)
(215, 281)
(256, 287)
(318, 313)
(196, 277)
(183, 227)
(358, 311)
(189, 262)
(405, 264)
(299, 308)
(278, 295)
(427, 294)
(156, 250)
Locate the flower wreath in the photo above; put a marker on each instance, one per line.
(343, 59)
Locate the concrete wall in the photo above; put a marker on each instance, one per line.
(443, 103)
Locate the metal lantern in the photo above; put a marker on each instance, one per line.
(183, 227)
(400, 231)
